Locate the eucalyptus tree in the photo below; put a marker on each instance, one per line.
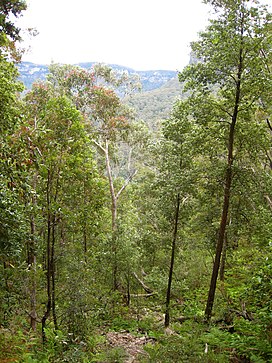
(98, 94)
(226, 86)
(61, 173)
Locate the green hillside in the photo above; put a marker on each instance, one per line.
(160, 89)
(155, 105)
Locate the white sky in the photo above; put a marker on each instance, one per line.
(141, 34)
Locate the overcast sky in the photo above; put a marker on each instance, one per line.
(141, 34)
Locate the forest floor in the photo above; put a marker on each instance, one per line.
(132, 345)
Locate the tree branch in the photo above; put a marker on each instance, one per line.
(269, 124)
(144, 286)
(144, 295)
(269, 201)
(99, 146)
(128, 180)
(33, 317)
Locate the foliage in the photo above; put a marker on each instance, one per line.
(13, 229)
(153, 106)
(9, 33)
(88, 203)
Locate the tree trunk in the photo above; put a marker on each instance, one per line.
(48, 257)
(168, 295)
(227, 191)
(114, 201)
(128, 288)
(48, 278)
(32, 267)
(113, 218)
(32, 262)
(85, 224)
(53, 273)
(223, 259)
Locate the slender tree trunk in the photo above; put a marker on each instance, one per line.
(129, 158)
(48, 257)
(48, 278)
(32, 263)
(227, 191)
(221, 236)
(114, 201)
(53, 257)
(112, 191)
(168, 294)
(128, 287)
(85, 224)
(113, 219)
(32, 267)
(53, 272)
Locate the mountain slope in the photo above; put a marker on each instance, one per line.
(160, 89)
(156, 105)
(31, 72)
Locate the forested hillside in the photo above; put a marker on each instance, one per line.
(156, 105)
(153, 79)
(157, 93)
(135, 226)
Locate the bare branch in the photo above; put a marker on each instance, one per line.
(269, 201)
(128, 180)
(99, 146)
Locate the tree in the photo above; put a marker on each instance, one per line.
(9, 33)
(96, 93)
(10, 117)
(227, 84)
(60, 165)
(174, 182)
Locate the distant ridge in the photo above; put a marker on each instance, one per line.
(152, 79)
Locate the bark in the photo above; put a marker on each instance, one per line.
(223, 260)
(52, 257)
(221, 236)
(144, 295)
(269, 201)
(85, 224)
(128, 289)
(53, 274)
(32, 267)
(114, 208)
(32, 264)
(227, 191)
(115, 261)
(168, 294)
(112, 191)
(48, 278)
(243, 313)
(144, 286)
(224, 254)
(51, 195)
(113, 217)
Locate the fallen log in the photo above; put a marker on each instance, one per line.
(147, 289)
(144, 295)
